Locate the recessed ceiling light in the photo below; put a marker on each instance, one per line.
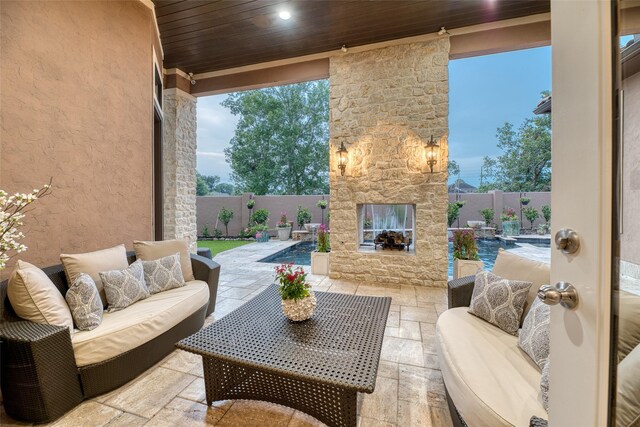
(284, 14)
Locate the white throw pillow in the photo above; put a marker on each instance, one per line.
(151, 251)
(34, 297)
(92, 263)
(124, 287)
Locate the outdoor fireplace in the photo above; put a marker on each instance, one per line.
(392, 240)
(386, 226)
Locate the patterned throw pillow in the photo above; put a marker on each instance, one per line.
(533, 338)
(84, 302)
(499, 301)
(163, 274)
(124, 287)
(544, 385)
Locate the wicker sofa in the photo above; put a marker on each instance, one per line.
(489, 381)
(42, 374)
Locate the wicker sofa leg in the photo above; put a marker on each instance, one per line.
(39, 376)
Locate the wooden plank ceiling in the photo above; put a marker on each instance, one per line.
(202, 36)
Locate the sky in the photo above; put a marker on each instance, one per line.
(484, 93)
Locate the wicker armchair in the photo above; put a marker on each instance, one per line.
(39, 377)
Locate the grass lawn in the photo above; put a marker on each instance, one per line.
(218, 246)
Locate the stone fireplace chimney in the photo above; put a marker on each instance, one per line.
(385, 104)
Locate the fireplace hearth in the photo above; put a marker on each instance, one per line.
(392, 240)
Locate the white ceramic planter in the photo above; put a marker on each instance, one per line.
(299, 310)
(320, 263)
(283, 233)
(464, 267)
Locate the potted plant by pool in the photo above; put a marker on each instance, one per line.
(320, 257)
(284, 228)
(298, 300)
(261, 233)
(510, 223)
(466, 261)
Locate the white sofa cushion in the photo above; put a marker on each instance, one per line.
(490, 380)
(139, 323)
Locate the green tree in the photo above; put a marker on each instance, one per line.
(531, 214)
(453, 169)
(225, 215)
(281, 142)
(206, 184)
(453, 211)
(303, 216)
(224, 188)
(487, 214)
(525, 162)
(546, 213)
(201, 186)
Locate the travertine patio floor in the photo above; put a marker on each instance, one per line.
(409, 389)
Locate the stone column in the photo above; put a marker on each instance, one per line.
(179, 166)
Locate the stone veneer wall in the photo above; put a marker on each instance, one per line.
(384, 105)
(179, 152)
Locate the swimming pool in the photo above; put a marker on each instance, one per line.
(300, 253)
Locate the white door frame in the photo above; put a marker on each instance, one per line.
(582, 199)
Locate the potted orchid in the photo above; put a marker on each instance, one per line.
(466, 261)
(320, 257)
(298, 300)
(12, 213)
(284, 228)
(510, 223)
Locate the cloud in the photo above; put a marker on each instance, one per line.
(209, 154)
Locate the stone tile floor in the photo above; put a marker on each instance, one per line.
(409, 388)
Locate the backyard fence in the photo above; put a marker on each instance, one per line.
(209, 206)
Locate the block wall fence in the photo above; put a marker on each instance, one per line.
(209, 206)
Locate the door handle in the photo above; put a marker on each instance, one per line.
(563, 293)
(567, 241)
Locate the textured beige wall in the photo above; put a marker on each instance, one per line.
(385, 104)
(75, 100)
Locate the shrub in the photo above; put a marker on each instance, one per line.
(225, 216)
(531, 214)
(546, 213)
(464, 245)
(245, 233)
(487, 214)
(453, 211)
(323, 239)
(303, 216)
(217, 233)
(260, 216)
(283, 223)
(205, 232)
(508, 215)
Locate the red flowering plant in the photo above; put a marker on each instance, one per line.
(292, 282)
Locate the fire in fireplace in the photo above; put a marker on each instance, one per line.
(392, 240)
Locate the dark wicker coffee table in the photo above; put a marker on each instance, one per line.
(317, 366)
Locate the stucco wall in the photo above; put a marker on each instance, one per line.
(385, 104)
(75, 100)
(498, 201)
(209, 206)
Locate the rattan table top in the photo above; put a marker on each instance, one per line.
(340, 345)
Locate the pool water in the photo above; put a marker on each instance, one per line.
(300, 253)
(487, 251)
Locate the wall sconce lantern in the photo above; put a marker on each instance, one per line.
(342, 158)
(432, 153)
